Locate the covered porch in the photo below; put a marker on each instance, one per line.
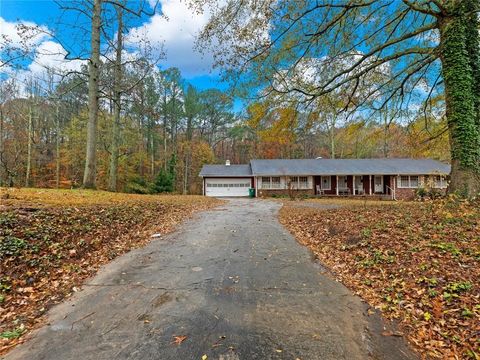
(354, 185)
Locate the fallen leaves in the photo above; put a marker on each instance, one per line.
(178, 339)
(50, 241)
(418, 263)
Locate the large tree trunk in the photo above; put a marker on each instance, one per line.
(29, 145)
(460, 101)
(473, 50)
(112, 182)
(89, 174)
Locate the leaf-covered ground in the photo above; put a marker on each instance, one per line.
(417, 262)
(52, 240)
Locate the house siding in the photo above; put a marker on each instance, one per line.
(405, 194)
(285, 192)
(410, 193)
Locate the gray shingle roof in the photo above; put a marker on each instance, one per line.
(329, 167)
(348, 167)
(227, 171)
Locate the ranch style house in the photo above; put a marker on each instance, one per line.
(387, 178)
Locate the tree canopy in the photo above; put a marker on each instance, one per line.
(374, 52)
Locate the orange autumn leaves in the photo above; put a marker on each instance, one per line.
(51, 240)
(417, 262)
(275, 130)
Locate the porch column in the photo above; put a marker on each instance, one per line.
(394, 185)
(336, 186)
(370, 183)
(353, 185)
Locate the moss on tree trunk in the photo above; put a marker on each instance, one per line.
(460, 100)
(473, 49)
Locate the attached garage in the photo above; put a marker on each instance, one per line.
(226, 180)
(227, 186)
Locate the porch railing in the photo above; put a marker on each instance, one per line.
(392, 192)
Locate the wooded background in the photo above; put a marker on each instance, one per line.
(43, 134)
(123, 123)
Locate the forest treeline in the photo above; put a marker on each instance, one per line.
(121, 122)
(169, 129)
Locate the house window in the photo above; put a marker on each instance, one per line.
(293, 182)
(342, 182)
(298, 182)
(271, 182)
(265, 182)
(326, 183)
(404, 181)
(275, 182)
(303, 182)
(411, 181)
(440, 182)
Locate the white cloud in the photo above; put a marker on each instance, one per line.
(36, 53)
(50, 54)
(21, 34)
(176, 29)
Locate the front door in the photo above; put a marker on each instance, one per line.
(378, 183)
(358, 185)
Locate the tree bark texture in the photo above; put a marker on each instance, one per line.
(464, 131)
(89, 175)
(112, 181)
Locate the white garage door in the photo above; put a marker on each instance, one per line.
(227, 187)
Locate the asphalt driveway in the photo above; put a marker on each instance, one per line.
(234, 282)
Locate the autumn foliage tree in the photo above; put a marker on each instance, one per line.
(431, 42)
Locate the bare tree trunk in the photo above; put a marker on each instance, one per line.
(89, 174)
(385, 133)
(332, 139)
(165, 140)
(188, 152)
(152, 154)
(165, 149)
(57, 148)
(185, 173)
(29, 145)
(112, 183)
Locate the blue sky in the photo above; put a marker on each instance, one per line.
(177, 34)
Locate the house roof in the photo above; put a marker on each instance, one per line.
(278, 167)
(348, 167)
(226, 171)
